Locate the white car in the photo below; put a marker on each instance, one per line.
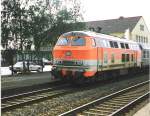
(18, 67)
(46, 61)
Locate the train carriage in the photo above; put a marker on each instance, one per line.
(84, 54)
(145, 58)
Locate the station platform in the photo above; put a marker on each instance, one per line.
(22, 80)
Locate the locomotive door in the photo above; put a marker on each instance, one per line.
(135, 59)
(100, 59)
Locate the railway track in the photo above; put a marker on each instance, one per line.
(113, 104)
(15, 101)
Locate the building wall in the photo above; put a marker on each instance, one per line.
(140, 33)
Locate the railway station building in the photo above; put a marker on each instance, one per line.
(132, 28)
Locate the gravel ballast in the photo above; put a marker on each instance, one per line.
(56, 106)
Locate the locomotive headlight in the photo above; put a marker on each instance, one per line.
(79, 62)
(57, 62)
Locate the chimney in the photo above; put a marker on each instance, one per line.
(99, 29)
(121, 17)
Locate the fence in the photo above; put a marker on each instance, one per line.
(35, 56)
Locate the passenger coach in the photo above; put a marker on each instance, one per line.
(84, 54)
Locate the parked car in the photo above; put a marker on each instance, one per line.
(46, 61)
(18, 67)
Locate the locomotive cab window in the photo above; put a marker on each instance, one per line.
(78, 42)
(93, 42)
(62, 42)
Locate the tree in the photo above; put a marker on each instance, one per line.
(42, 20)
(65, 19)
(14, 21)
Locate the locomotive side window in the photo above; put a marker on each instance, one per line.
(111, 44)
(127, 46)
(62, 42)
(78, 42)
(116, 44)
(99, 42)
(105, 43)
(122, 45)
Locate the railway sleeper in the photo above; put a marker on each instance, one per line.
(106, 111)
(113, 103)
(107, 105)
(110, 109)
(103, 108)
(3, 105)
(118, 101)
(134, 94)
(91, 113)
(126, 97)
(11, 103)
(137, 91)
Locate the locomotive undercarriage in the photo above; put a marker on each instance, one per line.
(78, 75)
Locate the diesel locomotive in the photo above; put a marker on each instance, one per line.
(84, 54)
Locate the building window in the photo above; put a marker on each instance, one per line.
(137, 38)
(146, 39)
(142, 39)
(91, 29)
(142, 27)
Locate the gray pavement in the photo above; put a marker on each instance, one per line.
(9, 82)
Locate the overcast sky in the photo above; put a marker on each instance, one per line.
(111, 9)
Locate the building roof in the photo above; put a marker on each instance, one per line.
(114, 25)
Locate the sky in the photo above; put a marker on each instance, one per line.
(112, 9)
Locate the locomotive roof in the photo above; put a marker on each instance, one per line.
(98, 35)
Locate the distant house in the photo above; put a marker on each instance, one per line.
(133, 28)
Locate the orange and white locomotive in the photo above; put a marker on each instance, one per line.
(84, 54)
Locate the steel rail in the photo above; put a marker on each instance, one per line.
(130, 105)
(15, 101)
(84, 107)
